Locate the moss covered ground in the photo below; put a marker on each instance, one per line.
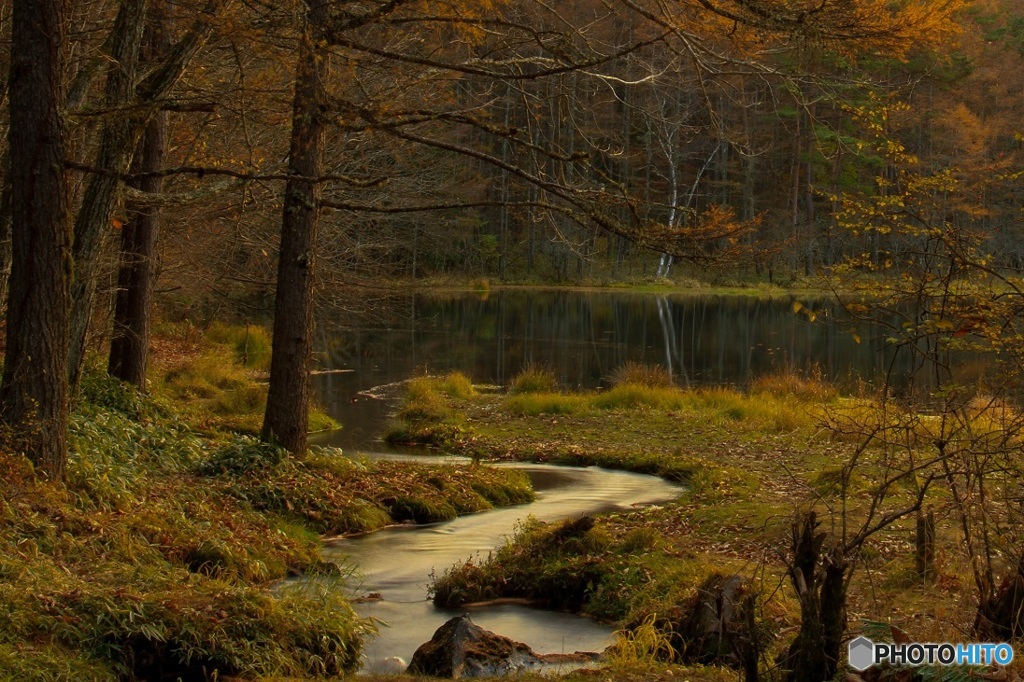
(752, 461)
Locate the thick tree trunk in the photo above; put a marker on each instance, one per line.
(5, 225)
(130, 343)
(286, 419)
(34, 390)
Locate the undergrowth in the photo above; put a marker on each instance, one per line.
(217, 377)
(133, 569)
(335, 495)
(156, 558)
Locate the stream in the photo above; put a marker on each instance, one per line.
(582, 337)
(397, 563)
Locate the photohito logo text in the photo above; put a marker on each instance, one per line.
(864, 653)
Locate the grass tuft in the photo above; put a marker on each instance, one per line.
(456, 385)
(644, 645)
(423, 401)
(250, 343)
(788, 385)
(534, 379)
(639, 374)
(632, 396)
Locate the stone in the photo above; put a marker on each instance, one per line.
(392, 665)
(462, 649)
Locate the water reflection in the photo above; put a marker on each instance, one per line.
(583, 337)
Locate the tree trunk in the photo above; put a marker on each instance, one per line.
(924, 556)
(34, 390)
(5, 224)
(814, 654)
(130, 343)
(286, 419)
(117, 142)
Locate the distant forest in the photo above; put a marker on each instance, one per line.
(523, 141)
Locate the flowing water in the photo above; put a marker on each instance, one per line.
(397, 563)
(582, 337)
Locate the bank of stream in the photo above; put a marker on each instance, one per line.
(396, 564)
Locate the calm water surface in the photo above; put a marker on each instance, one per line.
(583, 337)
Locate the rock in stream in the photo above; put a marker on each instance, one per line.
(462, 649)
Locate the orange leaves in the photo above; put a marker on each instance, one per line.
(848, 27)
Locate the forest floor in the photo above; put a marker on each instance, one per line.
(165, 550)
(163, 555)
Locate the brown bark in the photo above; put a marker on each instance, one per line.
(286, 419)
(820, 577)
(118, 139)
(924, 557)
(5, 225)
(33, 393)
(130, 343)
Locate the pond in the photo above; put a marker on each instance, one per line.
(583, 337)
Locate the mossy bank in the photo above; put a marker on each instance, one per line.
(156, 559)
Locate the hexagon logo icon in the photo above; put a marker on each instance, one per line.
(861, 653)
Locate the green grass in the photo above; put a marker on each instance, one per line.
(533, 379)
(136, 563)
(607, 571)
(220, 383)
(334, 495)
(161, 549)
(250, 343)
(534, 403)
(750, 460)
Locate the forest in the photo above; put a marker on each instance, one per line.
(173, 161)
